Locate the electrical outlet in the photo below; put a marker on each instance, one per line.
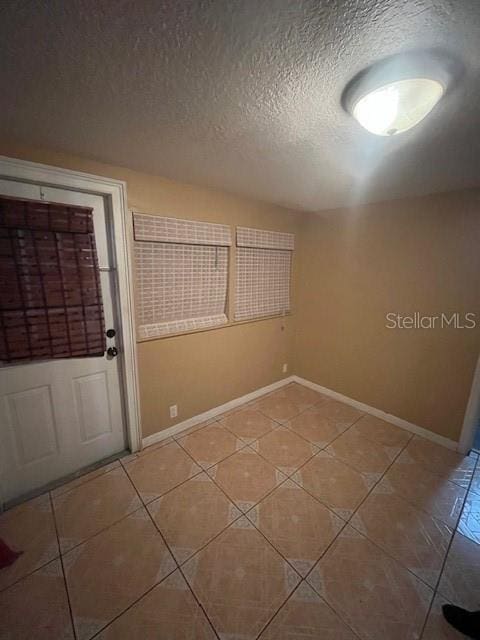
(285, 368)
(173, 411)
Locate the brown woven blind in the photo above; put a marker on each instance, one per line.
(51, 301)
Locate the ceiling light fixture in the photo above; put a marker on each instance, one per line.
(396, 95)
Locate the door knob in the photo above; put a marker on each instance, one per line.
(112, 352)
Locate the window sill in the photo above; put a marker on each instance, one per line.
(227, 325)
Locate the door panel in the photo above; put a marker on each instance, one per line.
(93, 406)
(33, 425)
(57, 416)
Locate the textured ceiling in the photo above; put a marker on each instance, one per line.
(244, 95)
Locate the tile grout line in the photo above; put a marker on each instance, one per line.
(310, 443)
(284, 424)
(178, 565)
(29, 573)
(221, 459)
(94, 535)
(218, 419)
(62, 553)
(97, 533)
(64, 575)
(172, 488)
(373, 541)
(415, 505)
(132, 604)
(347, 465)
(244, 514)
(454, 533)
(184, 562)
(302, 578)
(348, 524)
(174, 558)
(81, 484)
(61, 482)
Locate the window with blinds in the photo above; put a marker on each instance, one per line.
(181, 274)
(263, 266)
(51, 301)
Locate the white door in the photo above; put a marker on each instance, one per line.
(57, 416)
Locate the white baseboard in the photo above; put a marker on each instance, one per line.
(232, 404)
(399, 422)
(212, 413)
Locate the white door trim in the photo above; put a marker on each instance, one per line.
(115, 194)
(472, 414)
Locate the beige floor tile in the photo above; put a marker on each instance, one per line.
(192, 514)
(194, 428)
(469, 523)
(315, 426)
(246, 478)
(306, 616)
(414, 538)
(334, 483)
(337, 413)
(297, 525)
(30, 528)
(281, 405)
(161, 470)
(437, 628)
(437, 459)
(240, 581)
(86, 477)
(305, 395)
(371, 591)
(92, 506)
(145, 452)
(285, 449)
(169, 611)
(429, 491)
(211, 444)
(248, 424)
(110, 571)
(382, 432)
(366, 456)
(460, 581)
(36, 607)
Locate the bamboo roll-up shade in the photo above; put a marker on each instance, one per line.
(263, 266)
(181, 274)
(51, 302)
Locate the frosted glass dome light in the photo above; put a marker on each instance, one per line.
(397, 106)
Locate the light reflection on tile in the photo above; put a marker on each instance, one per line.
(437, 459)
(469, 523)
(460, 581)
(378, 597)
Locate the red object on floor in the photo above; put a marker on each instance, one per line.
(7, 555)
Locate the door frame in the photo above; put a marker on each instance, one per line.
(472, 414)
(114, 193)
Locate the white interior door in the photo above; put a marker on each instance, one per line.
(57, 416)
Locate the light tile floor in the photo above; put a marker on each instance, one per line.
(295, 516)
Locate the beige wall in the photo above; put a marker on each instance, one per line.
(202, 370)
(355, 266)
(351, 268)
